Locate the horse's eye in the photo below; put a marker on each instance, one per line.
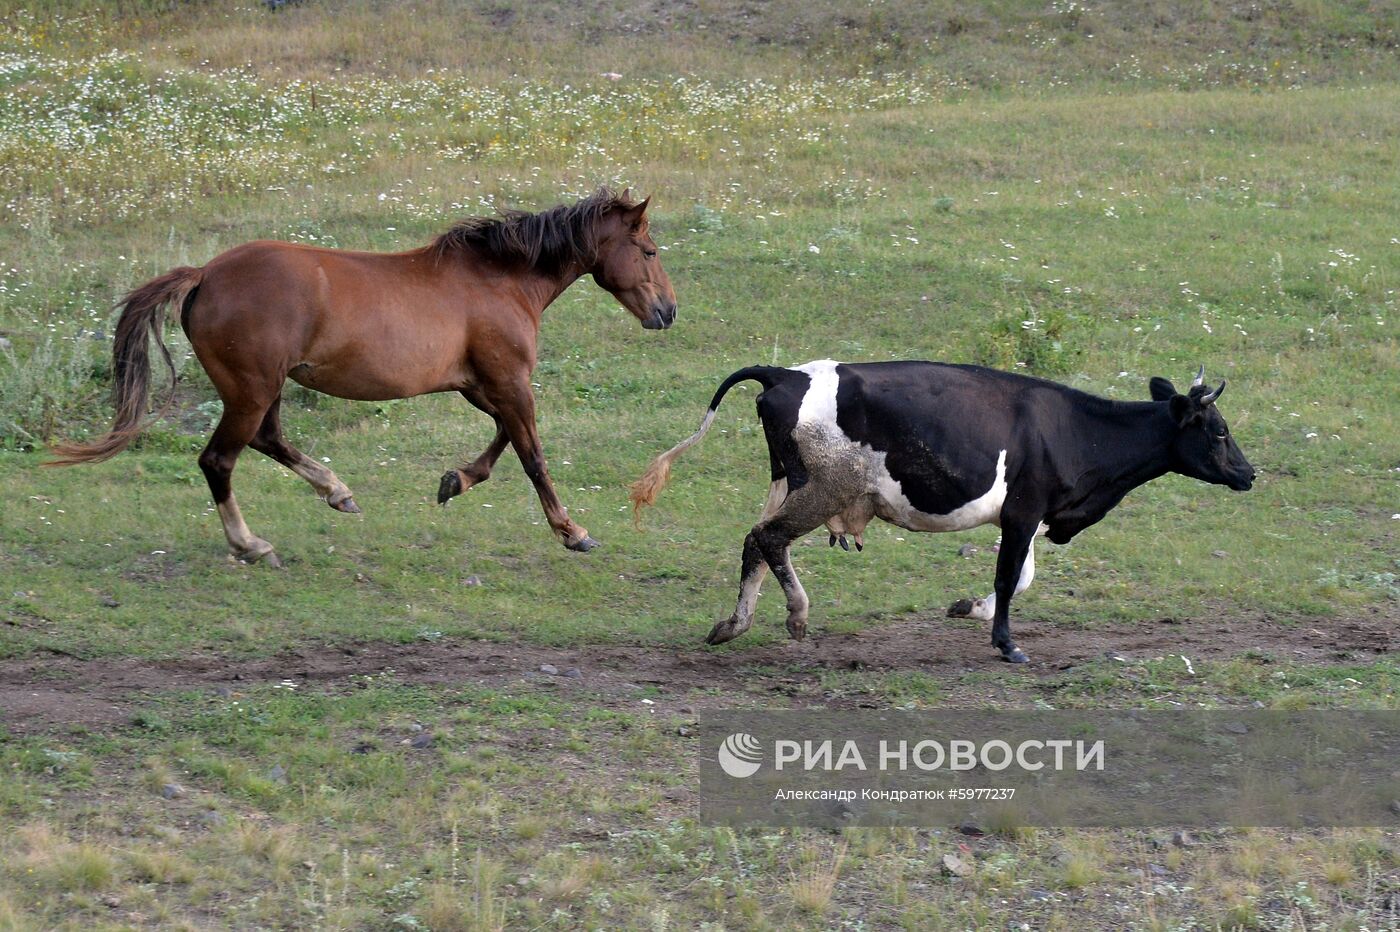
(649, 253)
(1224, 432)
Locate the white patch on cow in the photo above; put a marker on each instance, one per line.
(984, 509)
(819, 404)
(822, 443)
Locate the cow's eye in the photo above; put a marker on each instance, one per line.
(1222, 433)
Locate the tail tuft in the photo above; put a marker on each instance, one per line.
(645, 489)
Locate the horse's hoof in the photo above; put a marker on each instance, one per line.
(1015, 655)
(726, 630)
(583, 544)
(347, 505)
(450, 485)
(797, 631)
(249, 557)
(962, 608)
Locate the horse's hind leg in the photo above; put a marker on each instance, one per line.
(269, 441)
(236, 428)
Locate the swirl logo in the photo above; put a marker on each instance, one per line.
(740, 754)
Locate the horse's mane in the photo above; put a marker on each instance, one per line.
(547, 240)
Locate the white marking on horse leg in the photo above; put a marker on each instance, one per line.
(326, 483)
(244, 543)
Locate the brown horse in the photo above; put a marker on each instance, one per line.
(461, 314)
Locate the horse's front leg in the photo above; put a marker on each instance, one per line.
(456, 481)
(517, 413)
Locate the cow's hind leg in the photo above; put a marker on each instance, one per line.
(751, 574)
(801, 512)
(236, 429)
(270, 442)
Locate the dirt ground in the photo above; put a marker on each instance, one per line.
(50, 691)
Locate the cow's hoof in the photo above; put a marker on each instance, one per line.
(1015, 655)
(450, 486)
(727, 630)
(583, 544)
(962, 608)
(346, 504)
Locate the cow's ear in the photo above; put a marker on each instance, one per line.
(1161, 389)
(1183, 410)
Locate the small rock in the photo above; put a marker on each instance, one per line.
(686, 710)
(1184, 840)
(966, 550)
(1158, 870)
(1219, 554)
(223, 692)
(676, 794)
(110, 602)
(955, 866)
(472, 581)
(574, 673)
(421, 742)
(173, 791)
(112, 902)
(1041, 895)
(1159, 842)
(971, 828)
(211, 817)
(5, 344)
(549, 668)
(1395, 806)
(1236, 728)
(364, 747)
(685, 732)
(278, 774)
(1258, 704)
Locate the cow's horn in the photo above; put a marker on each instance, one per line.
(1200, 377)
(1210, 397)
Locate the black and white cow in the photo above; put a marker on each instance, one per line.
(940, 447)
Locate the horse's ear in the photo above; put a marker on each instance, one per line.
(635, 217)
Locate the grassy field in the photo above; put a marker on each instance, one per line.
(365, 740)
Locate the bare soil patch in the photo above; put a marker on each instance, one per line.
(50, 691)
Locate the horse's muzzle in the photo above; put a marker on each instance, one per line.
(662, 316)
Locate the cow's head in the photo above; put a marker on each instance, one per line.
(1203, 448)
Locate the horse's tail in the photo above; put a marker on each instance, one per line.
(645, 489)
(141, 318)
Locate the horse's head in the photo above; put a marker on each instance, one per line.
(629, 267)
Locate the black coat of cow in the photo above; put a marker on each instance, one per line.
(941, 447)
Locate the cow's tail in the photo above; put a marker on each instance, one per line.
(645, 489)
(141, 317)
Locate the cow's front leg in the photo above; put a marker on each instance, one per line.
(1015, 570)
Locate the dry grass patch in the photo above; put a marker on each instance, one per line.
(814, 880)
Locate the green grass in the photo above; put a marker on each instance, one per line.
(1096, 195)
